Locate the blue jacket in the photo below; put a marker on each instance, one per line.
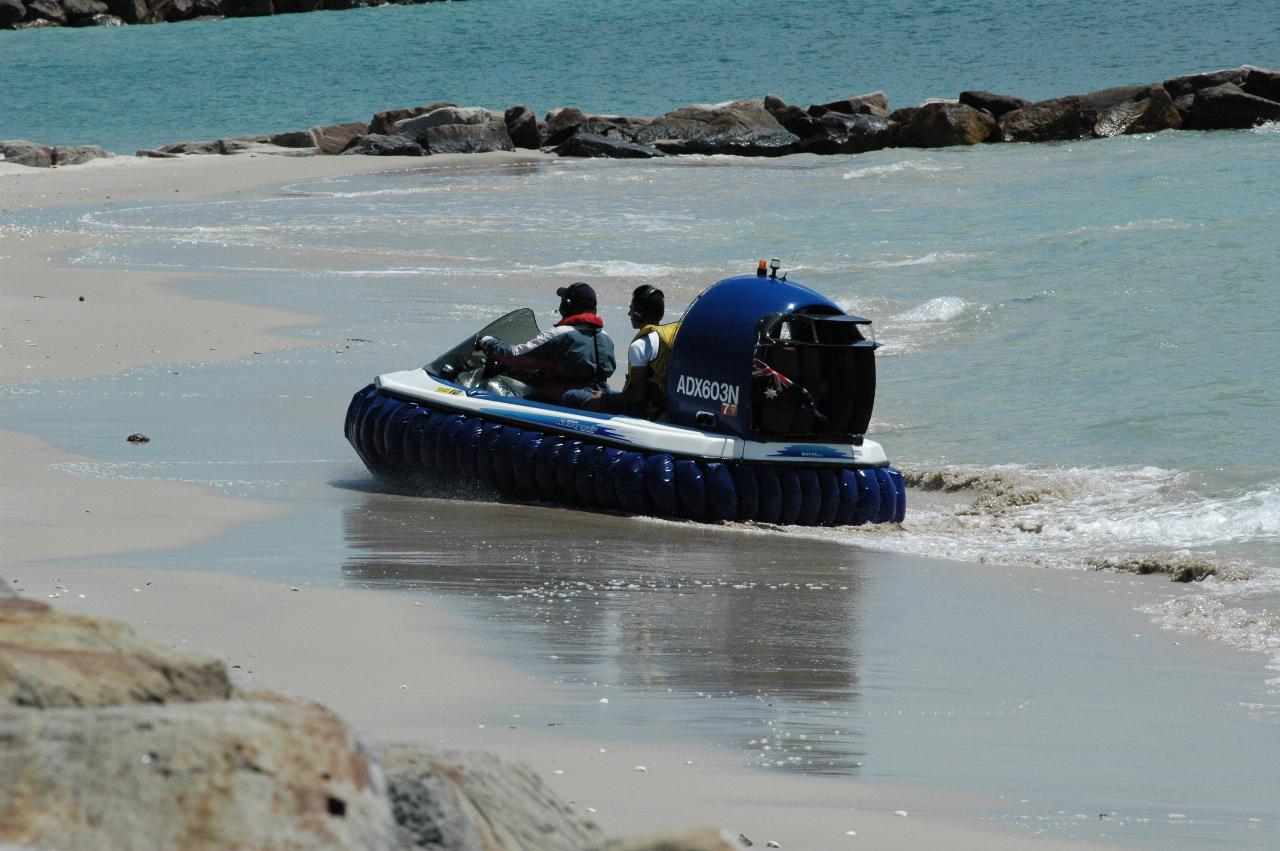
(576, 353)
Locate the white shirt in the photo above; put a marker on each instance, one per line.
(643, 351)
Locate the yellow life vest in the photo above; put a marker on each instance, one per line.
(657, 390)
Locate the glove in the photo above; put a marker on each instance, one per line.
(481, 341)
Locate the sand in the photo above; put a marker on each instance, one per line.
(410, 668)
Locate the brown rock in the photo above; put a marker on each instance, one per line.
(739, 128)
(46, 9)
(53, 659)
(26, 153)
(77, 154)
(938, 125)
(1228, 107)
(1070, 117)
(522, 127)
(334, 138)
(1263, 83)
(1192, 83)
(264, 773)
(1151, 114)
(993, 103)
(77, 9)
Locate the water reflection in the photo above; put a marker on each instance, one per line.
(743, 637)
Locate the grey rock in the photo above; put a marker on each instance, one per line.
(466, 138)
(795, 119)
(872, 103)
(942, 124)
(741, 128)
(294, 139)
(843, 133)
(465, 800)
(383, 123)
(77, 154)
(1263, 83)
(48, 10)
(993, 103)
(214, 147)
(77, 9)
(27, 153)
(264, 773)
(415, 128)
(564, 118)
(1228, 107)
(595, 145)
(11, 12)
(1192, 83)
(522, 127)
(334, 138)
(35, 24)
(379, 145)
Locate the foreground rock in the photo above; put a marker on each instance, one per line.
(49, 659)
(479, 800)
(1108, 112)
(264, 773)
(109, 741)
(940, 125)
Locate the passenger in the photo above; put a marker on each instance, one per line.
(568, 362)
(645, 392)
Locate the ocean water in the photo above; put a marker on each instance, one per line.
(132, 87)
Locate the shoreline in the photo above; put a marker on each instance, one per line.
(291, 644)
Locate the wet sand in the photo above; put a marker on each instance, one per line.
(780, 685)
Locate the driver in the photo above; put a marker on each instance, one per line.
(568, 362)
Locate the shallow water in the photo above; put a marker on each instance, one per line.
(1075, 338)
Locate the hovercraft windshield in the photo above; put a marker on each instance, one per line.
(467, 366)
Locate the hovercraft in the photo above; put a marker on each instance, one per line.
(769, 387)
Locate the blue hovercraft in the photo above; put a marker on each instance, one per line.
(770, 388)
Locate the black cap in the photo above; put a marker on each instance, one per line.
(577, 295)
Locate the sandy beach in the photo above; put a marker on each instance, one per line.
(1076, 675)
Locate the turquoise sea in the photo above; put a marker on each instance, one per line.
(1078, 338)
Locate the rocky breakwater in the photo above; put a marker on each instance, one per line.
(31, 14)
(109, 741)
(1233, 98)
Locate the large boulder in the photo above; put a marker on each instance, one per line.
(740, 127)
(248, 8)
(873, 103)
(466, 138)
(11, 12)
(563, 123)
(476, 800)
(993, 103)
(1263, 83)
(262, 773)
(583, 144)
(52, 659)
(383, 123)
(137, 11)
(289, 7)
(792, 117)
(1073, 116)
(940, 125)
(1151, 114)
(1189, 84)
(79, 9)
(1228, 107)
(379, 145)
(26, 153)
(48, 10)
(77, 154)
(335, 138)
(294, 139)
(849, 134)
(522, 127)
(457, 130)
